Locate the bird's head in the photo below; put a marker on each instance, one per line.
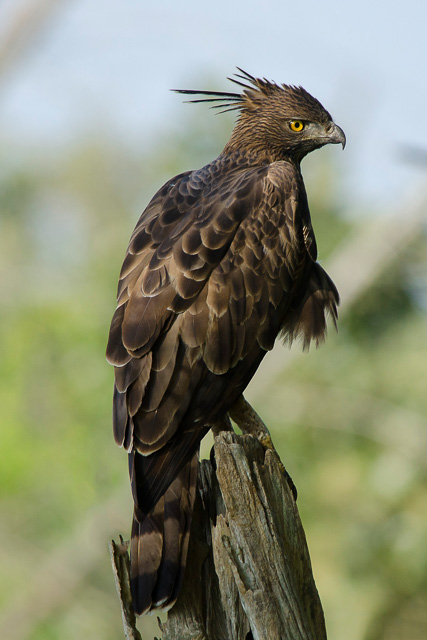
(275, 121)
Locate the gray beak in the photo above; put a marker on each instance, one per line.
(337, 136)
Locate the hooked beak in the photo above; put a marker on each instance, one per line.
(336, 136)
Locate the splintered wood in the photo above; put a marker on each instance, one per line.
(249, 572)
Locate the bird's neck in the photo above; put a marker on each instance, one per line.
(256, 154)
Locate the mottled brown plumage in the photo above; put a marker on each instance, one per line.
(221, 262)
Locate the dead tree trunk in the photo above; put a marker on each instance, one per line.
(249, 572)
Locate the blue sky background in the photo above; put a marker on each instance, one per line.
(107, 66)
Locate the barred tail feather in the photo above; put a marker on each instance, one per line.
(159, 544)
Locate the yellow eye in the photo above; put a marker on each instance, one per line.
(296, 125)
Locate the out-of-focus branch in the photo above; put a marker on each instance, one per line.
(375, 245)
(18, 34)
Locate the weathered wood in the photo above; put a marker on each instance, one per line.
(249, 572)
(121, 566)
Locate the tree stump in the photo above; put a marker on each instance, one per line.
(248, 574)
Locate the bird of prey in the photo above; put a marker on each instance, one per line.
(221, 262)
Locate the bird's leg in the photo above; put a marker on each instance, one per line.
(250, 423)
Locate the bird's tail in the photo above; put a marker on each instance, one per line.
(159, 544)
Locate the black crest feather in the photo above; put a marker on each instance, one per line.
(227, 101)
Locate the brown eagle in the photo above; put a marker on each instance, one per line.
(221, 262)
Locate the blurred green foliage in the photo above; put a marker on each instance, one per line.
(349, 419)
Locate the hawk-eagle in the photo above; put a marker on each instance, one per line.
(221, 262)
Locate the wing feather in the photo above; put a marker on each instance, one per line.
(116, 351)
(195, 322)
(120, 416)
